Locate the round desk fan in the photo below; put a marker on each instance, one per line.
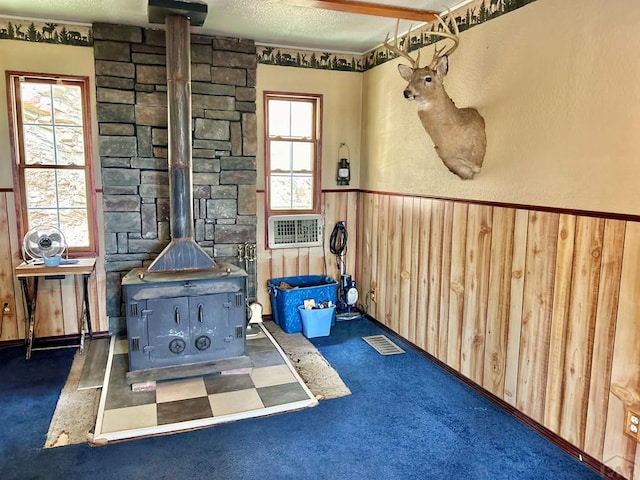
(41, 243)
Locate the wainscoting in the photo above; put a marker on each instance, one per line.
(540, 308)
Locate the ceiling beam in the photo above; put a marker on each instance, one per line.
(363, 8)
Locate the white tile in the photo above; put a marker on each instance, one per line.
(274, 375)
(129, 418)
(180, 390)
(235, 402)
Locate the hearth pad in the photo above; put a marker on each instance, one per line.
(272, 387)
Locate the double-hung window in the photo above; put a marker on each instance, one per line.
(292, 151)
(51, 140)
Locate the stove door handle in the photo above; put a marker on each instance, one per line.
(200, 313)
(176, 313)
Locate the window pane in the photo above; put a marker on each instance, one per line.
(41, 192)
(280, 156)
(302, 192)
(38, 145)
(279, 118)
(302, 157)
(67, 105)
(36, 102)
(280, 192)
(42, 218)
(70, 145)
(72, 191)
(301, 119)
(74, 225)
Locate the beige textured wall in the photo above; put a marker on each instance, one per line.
(17, 55)
(342, 103)
(558, 85)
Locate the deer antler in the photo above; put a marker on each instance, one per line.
(447, 33)
(403, 52)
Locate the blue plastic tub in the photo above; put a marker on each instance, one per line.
(316, 322)
(285, 302)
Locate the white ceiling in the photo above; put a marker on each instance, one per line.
(268, 22)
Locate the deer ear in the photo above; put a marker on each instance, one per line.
(405, 71)
(442, 67)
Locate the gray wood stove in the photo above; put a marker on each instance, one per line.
(185, 318)
(184, 309)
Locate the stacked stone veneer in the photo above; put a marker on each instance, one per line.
(131, 93)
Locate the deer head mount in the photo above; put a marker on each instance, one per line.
(458, 134)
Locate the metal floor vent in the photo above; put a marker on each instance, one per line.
(383, 345)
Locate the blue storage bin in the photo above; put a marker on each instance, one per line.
(285, 302)
(316, 322)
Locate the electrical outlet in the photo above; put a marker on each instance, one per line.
(632, 423)
(7, 307)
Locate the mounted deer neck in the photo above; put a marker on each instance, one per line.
(458, 134)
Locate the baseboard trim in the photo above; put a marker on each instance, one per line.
(51, 341)
(553, 437)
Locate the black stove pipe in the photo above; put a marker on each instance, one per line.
(182, 253)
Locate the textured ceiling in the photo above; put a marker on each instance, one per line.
(270, 22)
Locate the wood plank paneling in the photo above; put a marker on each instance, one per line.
(619, 450)
(476, 283)
(580, 328)
(8, 324)
(516, 298)
(382, 253)
(607, 310)
(497, 325)
(428, 277)
(415, 264)
(407, 265)
(537, 307)
(559, 319)
(395, 253)
(456, 284)
(445, 268)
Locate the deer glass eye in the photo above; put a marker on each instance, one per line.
(427, 79)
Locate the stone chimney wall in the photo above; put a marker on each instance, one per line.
(132, 116)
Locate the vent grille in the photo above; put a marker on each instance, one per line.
(239, 331)
(135, 344)
(239, 298)
(134, 309)
(383, 345)
(287, 231)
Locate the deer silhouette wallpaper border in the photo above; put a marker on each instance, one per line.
(466, 17)
(45, 32)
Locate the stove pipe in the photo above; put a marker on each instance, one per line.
(182, 253)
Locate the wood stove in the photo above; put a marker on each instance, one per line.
(185, 308)
(185, 317)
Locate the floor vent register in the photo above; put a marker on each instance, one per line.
(383, 345)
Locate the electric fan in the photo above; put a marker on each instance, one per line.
(43, 244)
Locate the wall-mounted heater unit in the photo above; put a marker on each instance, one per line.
(289, 231)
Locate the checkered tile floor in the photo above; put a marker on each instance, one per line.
(273, 386)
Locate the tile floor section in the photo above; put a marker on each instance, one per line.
(273, 386)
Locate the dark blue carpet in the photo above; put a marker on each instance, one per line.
(406, 419)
